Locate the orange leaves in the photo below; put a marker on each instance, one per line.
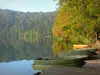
(60, 21)
(57, 47)
(63, 18)
(78, 26)
(58, 32)
(74, 24)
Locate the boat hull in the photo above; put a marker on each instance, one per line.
(88, 51)
(41, 67)
(68, 61)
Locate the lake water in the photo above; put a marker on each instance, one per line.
(23, 67)
(21, 50)
(16, 57)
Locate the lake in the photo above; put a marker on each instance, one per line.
(23, 67)
(16, 57)
(21, 50)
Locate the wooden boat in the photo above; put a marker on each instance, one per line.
(86, 51)
(41, 67)
(81, 46)
(91, 49)
(65, 61)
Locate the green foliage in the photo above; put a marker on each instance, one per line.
(31, 36)
(77, 21)
(25, 35)
(30, 27)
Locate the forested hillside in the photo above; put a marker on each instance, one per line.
(31, 27)
(76, 22)
(23, 35)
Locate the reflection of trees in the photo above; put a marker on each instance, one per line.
(29, 34)
(7, 52)
(18, 50)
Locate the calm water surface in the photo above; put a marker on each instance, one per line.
(11, 51)
(23, 67)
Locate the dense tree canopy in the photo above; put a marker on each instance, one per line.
(25, 26)
(25, 35)
(76, 23)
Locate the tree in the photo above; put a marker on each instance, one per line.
(25, 33)
(76, 22)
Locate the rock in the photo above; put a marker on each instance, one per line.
(38, 73)
(38, 58)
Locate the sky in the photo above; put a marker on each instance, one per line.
(29, 5)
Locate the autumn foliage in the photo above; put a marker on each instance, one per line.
(76, 23)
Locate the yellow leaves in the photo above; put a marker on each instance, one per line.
(26, 35)
(98, 15)
(57, 32)
(20, 35)
(64, 18)
(31, 36)
(66, 33)
(78, 26)
(75, 23)
(60, 21)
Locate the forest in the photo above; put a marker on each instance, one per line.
(21, 34)
(34, 34)
(76, 22)
(30, 27)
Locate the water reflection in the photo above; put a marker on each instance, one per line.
(23, 67)
(20, 50)
(14, 50)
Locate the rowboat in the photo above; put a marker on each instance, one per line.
(85, 51)
(64, 61)
(81, 46)
(90, 49)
